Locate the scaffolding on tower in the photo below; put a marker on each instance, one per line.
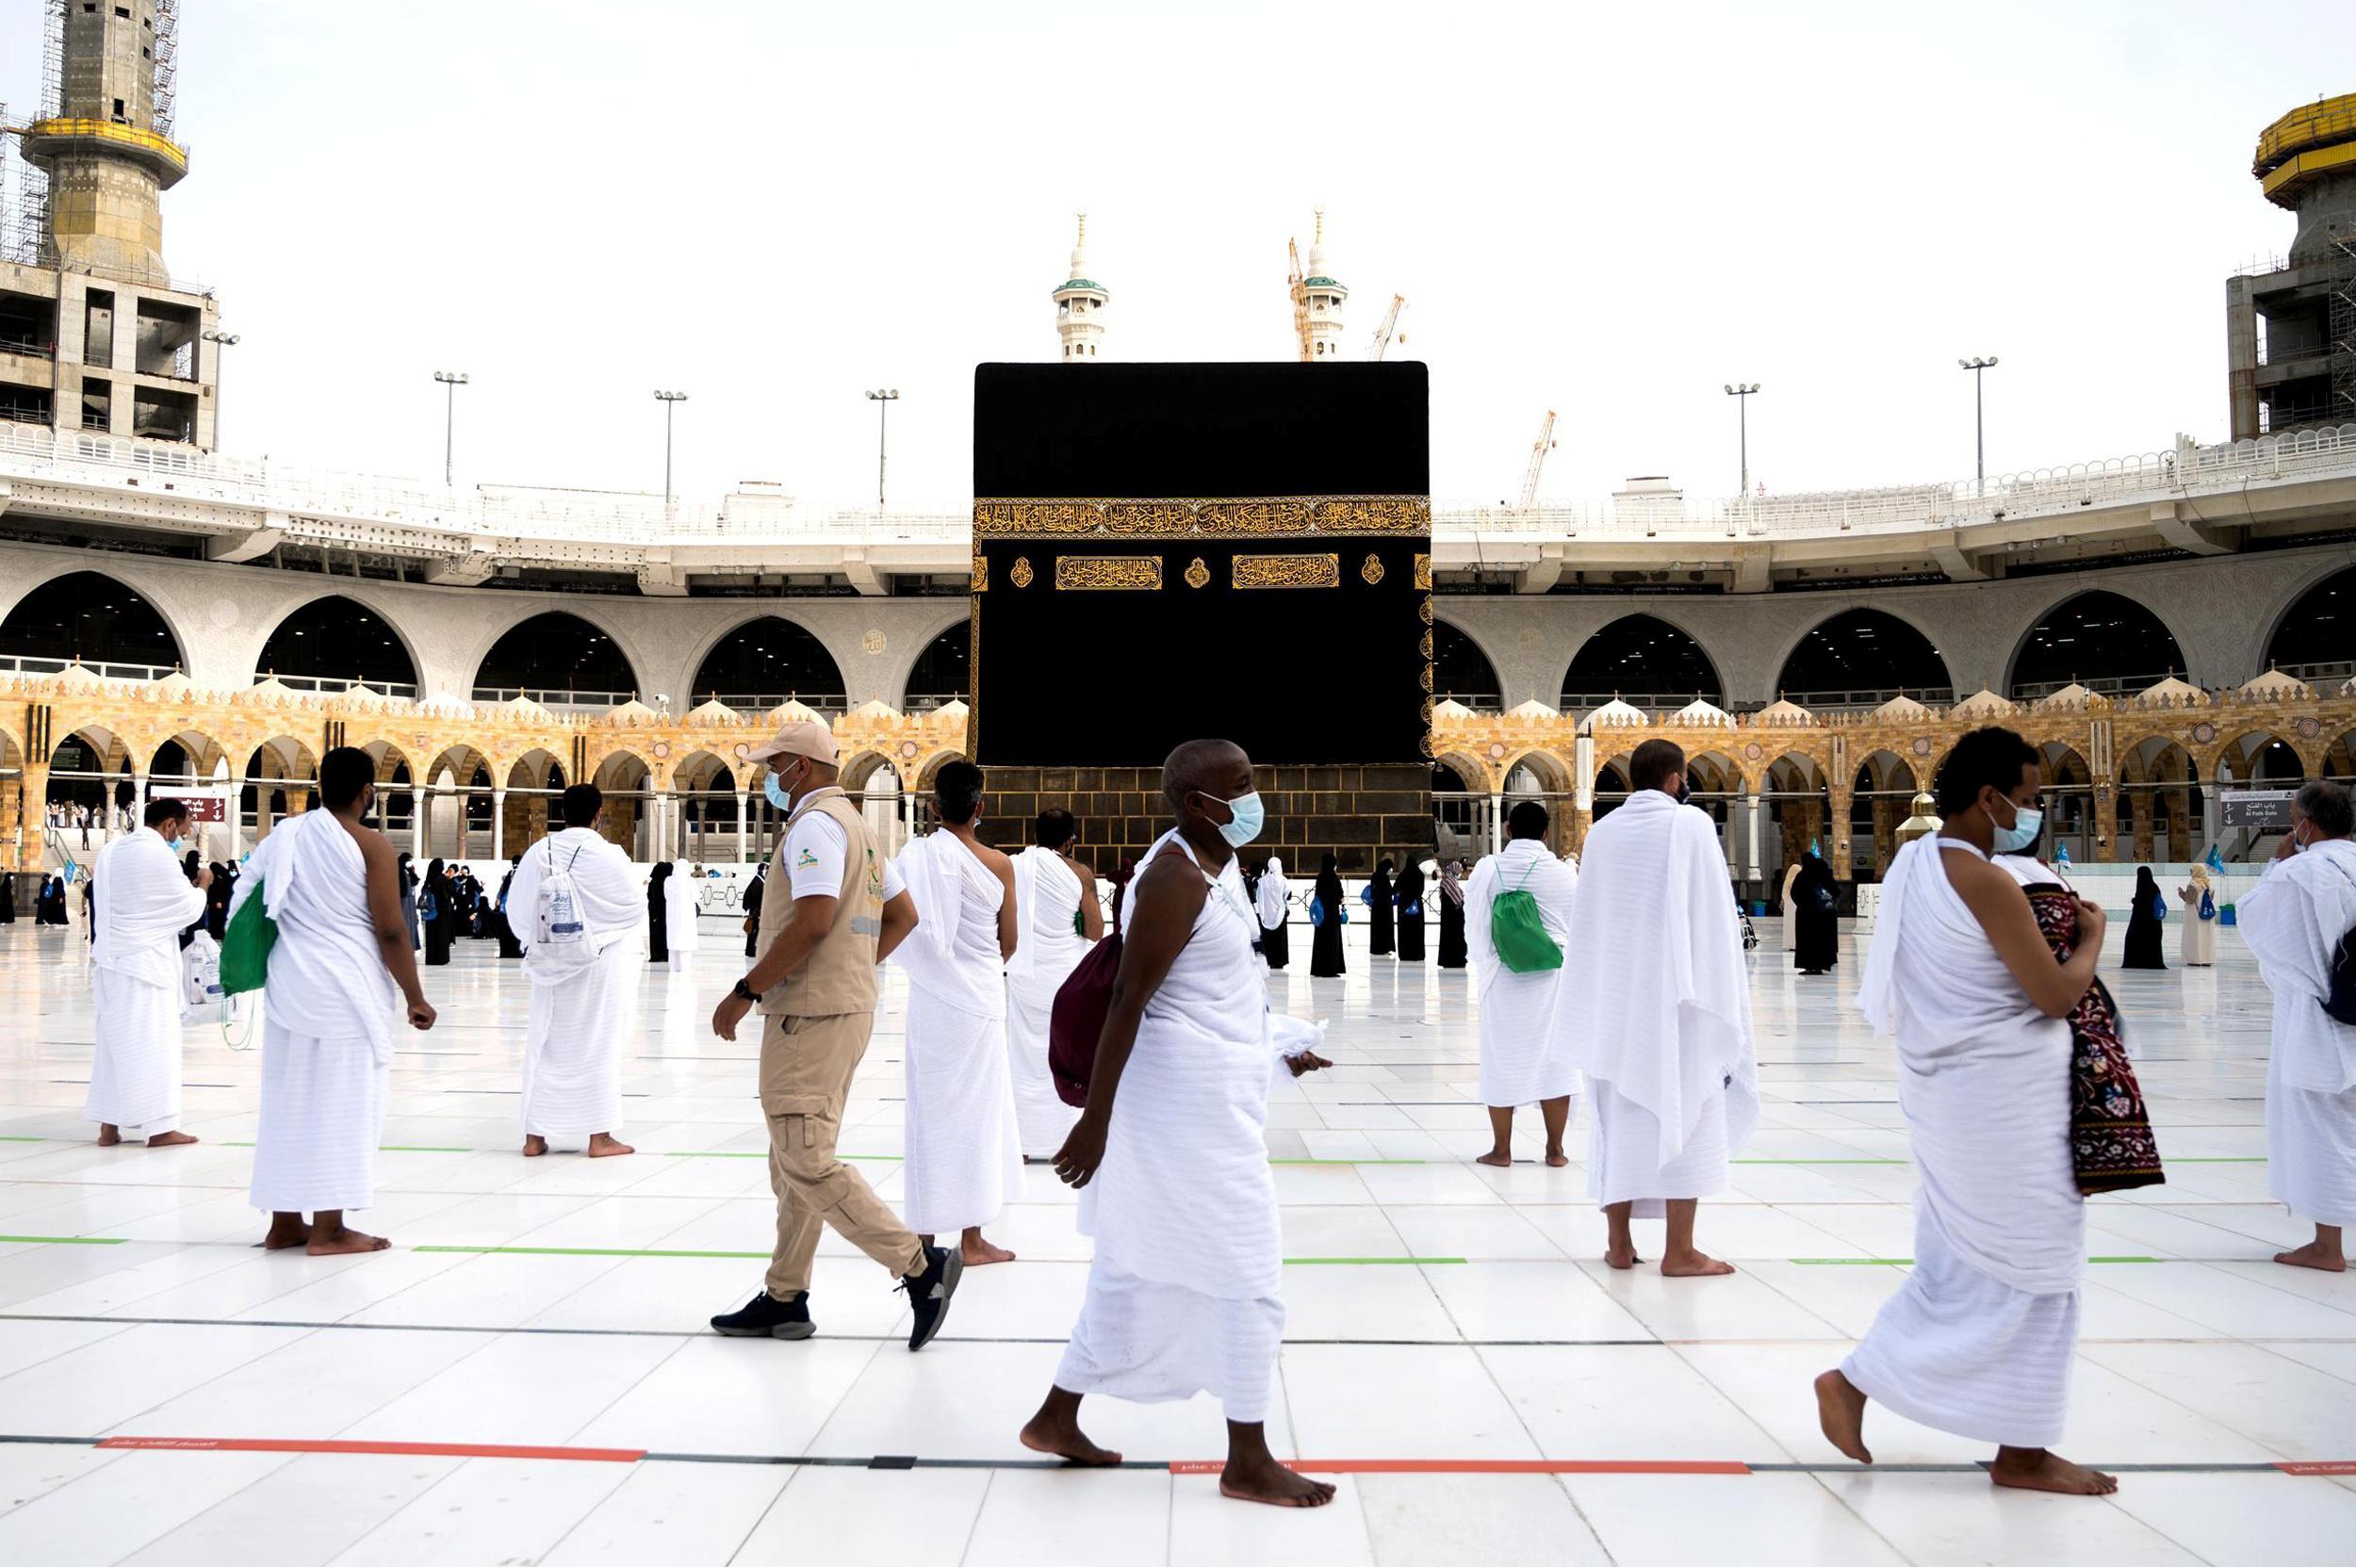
(2341, 330)
(24, 190)
(166, 94)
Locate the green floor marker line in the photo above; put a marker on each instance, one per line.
(68, 1241)
(722, 1155)
(1274, 1161)
(423, 1149)
(19, 1138)
(1373, 1260)
(236, 1143)
(592, 1251)
(2125, 1259)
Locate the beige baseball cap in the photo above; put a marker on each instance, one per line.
(801, 738)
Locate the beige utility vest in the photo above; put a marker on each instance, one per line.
(839, 976)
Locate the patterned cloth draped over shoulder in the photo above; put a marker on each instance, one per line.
(2110, 1134)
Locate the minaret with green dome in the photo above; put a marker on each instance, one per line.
(1080, 302)
(1325, 296)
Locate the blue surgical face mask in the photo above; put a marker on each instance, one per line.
(777, 798)
(2027, 823)
(178, 846)
(1249, 817)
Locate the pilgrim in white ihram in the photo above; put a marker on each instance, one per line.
(142, 902)
(576, 907)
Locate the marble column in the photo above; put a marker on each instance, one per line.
(416, 827)
(498, 825)
(744, 826)
(1497, 821)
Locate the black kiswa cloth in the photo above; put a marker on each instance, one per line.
(1167, 551)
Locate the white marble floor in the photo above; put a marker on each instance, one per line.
(1454, 1344)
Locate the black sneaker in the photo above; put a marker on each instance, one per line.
(929, 1293)
(765, 1315)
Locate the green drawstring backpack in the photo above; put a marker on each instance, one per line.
(1517, 933)
(245, 945)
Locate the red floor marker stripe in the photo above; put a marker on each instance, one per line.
(1488, 1466)
(2318, 1467)
(329, 1445)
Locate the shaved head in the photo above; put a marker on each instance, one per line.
(1211, 767)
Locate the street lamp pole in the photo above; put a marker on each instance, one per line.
(1979, 422)
(883, 397)
(220, 340)
(670, 401)
(452, 380)
(1742, 393)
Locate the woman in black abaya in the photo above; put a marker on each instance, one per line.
(1380, 893)
(2143, 925)
(438, 910)
(1452, 915)
(1815, 917)
(1325, 945)
(1410, 900)
(658, 917)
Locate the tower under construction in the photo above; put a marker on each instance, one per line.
(95, 335)
(2291, 329)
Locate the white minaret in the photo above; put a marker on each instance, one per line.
(1080, 303)
(1325, 296)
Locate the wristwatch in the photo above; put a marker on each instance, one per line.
(742, 989)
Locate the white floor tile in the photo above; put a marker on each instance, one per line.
(673, 1513)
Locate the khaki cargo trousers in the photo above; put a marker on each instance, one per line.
(806, 1068)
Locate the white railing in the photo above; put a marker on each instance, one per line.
(634, 523)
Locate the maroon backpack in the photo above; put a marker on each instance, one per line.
(1077, 1019)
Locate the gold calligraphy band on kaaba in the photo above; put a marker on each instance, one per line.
(1131, 573)
(981, 574)
(1212, 517)
(1423, 573)
(1286, 571)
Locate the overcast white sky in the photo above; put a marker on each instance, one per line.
(1605, 211)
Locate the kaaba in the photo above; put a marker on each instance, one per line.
(1163, 553)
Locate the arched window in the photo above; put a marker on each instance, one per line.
(331, 643)
(1863, 656)
(1461, 672)
(762, 663)
(1643, 659)
(555, 658)
(2315, 640)
(2101, 640)
(90, 616)
(943, 672)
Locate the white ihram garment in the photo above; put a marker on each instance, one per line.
(1521, 1062)
(1046, 900)
(1979, 1340)
(2293, 919)
(682, 934)
(580, 991)
(961, 1153)
(1183, 1297)
(328, 1019)
(144, 900)
(1655, 1006)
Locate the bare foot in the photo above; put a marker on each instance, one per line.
(285, 1231)
(342, 1239)
(164, 1140)
(1495, 1156)
(602, 1145)
(109, 1134)
(1840, 1410)
(2036, 1470)
(2312, 1255)
(977, 1252)
(1558, 1159)
(535, 1146)
(1622, 1257)
(1683, 1265)
(1264, 1481)
(1044, 1434)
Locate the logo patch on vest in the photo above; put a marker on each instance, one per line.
(808, 858)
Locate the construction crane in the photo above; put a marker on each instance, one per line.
(1390, 323)
(1301, 300)
(1538, 450)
